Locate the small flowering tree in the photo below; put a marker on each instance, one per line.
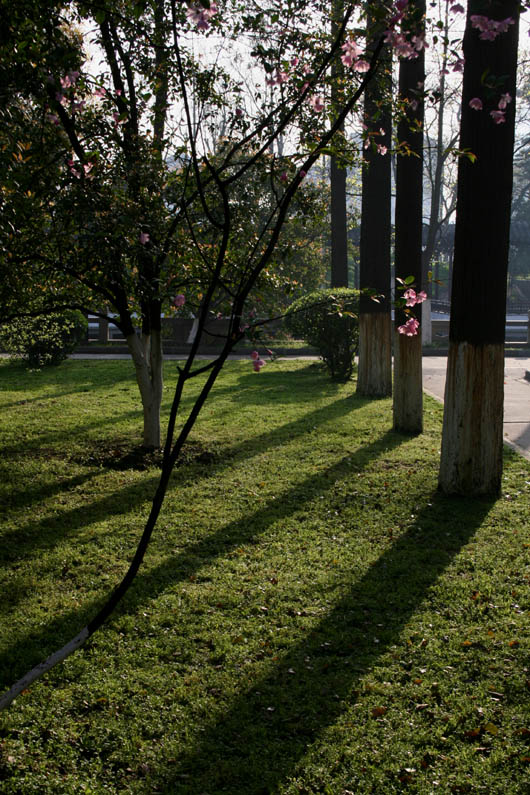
(137, 256)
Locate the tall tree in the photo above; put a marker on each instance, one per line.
(375, 324)
(471, 461)
(338, 173)
(408, 395)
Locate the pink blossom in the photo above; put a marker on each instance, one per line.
(381, 150)
(100, 91)
(504, 101)
(239, 112)
(316, 102)
(458, 65)
(412, 297)
(302, 173)
(457, 9)
(361, 66)
(277, 78)
(498, 116)
(419, 42)
(144, 238)
(351, 52)
(257, 364)
(73, 170)
(490, 28)
(201, 16)
(410, 328)
(295, 61)
(254, 355)
(475, 103)
(179, 300)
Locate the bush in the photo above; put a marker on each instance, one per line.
(328, 320)
(44, 340)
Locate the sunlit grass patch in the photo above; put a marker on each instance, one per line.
(312, 616)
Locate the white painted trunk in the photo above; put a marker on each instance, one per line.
(374, 375)
(471, 461)
(426, 322)
(146, 352)
(193, 331)
(408, 385)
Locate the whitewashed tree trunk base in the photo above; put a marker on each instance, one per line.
(471, 461)
(146, 354)
(426, 322)
(408, 384)
(374, 375)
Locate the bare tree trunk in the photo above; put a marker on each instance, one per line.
(338, 175)
(146, 352)
(408, 397)
(471, 461)
(374, 377)
(339, 230)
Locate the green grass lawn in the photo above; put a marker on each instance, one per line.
(312, 616)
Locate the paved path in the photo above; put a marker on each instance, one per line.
(516, 396)
(516, 391)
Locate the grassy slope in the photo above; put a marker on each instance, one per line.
(312, 616)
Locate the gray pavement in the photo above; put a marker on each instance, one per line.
(516, 397)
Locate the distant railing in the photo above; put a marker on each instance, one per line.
(516, 330)
(176, 331)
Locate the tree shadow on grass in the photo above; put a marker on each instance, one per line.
(31, 649)
(258, 743)
(50, 531)
(17, 377)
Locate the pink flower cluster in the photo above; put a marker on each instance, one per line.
(499, 114)
(351, 57)
(490, 28)
(201, 16)
(257, 363)
(410, 328)
(83, 168)
(412, 297)
(179, 300)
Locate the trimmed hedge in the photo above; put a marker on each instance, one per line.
(44, 340)
(329, 321)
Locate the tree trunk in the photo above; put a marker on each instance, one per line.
(146, 352)
(471, 461)
(338, 175)
(408, 393)
(339, 226)
(375, 323)
(408, 397)
(374, 377)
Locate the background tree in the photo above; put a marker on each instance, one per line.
(338, 174)
(471, 461)
(375, 324)
(408, 394)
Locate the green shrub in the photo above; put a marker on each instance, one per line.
(328, 320)
(44, 340)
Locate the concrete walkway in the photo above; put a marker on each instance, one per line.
(516, 391)
(516, 397)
